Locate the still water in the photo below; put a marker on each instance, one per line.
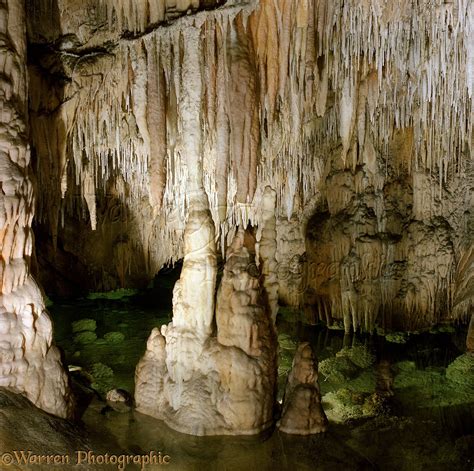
(393, 402)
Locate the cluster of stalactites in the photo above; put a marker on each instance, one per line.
(283, 84)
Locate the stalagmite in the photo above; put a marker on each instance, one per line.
(204, 383)
(29, 362)
(302, 411)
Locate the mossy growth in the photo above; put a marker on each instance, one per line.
(83, 325)
(345, 404)
(442, 329)
(461, 371)
(102, 377)
(338, 369)
(286, 342)
(417, 389)
(114, 337)
(118, 294)
(360, 355)
(85, 337)
(406, 366)
(396, 337)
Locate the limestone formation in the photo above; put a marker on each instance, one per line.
(302, 412)
(29, 362)
(338, 133)
(358, 115)
(267, 250)
(207, 382)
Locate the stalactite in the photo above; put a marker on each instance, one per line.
(284, 87)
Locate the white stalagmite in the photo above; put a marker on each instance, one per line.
(29, 362)
(212, 383)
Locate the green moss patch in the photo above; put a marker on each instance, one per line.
(346, 404)
(83, 325)
(360, 355)
(85, 338)
(102, 377)
(338, 369)
(396, 337)
(461, 371)
(114, 337)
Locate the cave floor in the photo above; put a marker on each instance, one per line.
(427, 422)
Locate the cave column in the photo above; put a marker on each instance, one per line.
(194, 297)
(29, 362)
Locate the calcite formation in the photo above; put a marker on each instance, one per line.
(212, 370)
(302, 412)
(357, 114)
(29, 362)
(327, 143)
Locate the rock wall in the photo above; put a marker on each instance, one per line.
(29, 362)
(357, 114)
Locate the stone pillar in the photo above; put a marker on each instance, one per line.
(29, 362)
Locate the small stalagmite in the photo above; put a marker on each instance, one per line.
(302, 411)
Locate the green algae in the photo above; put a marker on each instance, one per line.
(286, 342)
(461, 371)
(442, 329)
(346, 404)
(102, 377)
(83, 325)
(396, 337)
(48, 302)
(338, 369)
(114, 337)
(360, 355)
(432, 387)
(85, 337)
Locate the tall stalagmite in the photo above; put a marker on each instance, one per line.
(29, 362)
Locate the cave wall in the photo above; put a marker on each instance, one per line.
(29, 361)
(357, 114)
